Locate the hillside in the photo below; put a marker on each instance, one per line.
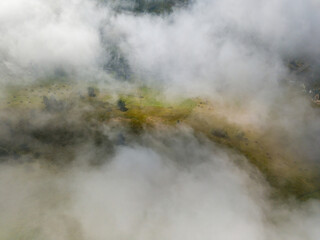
(49, 121)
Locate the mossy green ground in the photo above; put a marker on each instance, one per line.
(148, 108)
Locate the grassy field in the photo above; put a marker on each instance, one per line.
(145, 108)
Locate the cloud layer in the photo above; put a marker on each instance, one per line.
(150, 190)
(163, 186)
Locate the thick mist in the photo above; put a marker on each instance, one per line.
(203, 47)
(169, 182)
(159, 189)
(212, 46)
(41, 38)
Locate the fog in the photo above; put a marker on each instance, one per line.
(153, 190)
(202, 48)
(171, 182)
